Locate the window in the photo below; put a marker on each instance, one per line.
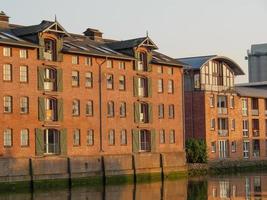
(233, 146)
(109, 64)
(50, 79)
(110, 109)
(143, 110)
(75, 78)
(196, 81)
(244, 107)
(7, 72)
(141, 86)
(75, 60)
(232, 102)
(222, 104)
(256, 148)
(212, 101)
(160, 85)
(90, 137)
(23, 53)
(142, 61)
(161, 111)
(245, 128)
(123, 137)
(24, 137)
(255, 127)
(172, 136)
(122, 83)
(50, 49)
(233, 125)
(213, 147)
(24, 105)
(6, 51)
(88, 61)
(171, 111)
(75, 107)
(111, 137)
(8, 138)
(254, 104)
(109, 81)
(160, 70)
(89, 79)
(76, 137)
(170, 86)
(122, 109)
(121, 65)
(89, 110)
(223, 126)
(7, 104)
(23, 74)
(162, 136)
(212, 124)
(170, 70)
(246, 147)
(51, 141)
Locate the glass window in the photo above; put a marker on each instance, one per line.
(23, 74)
(160, 85)
(76, 107)
(110, 109)
(75, 78)
(212, 124)
(24, 137)
(213, 147)
(75, 60)
(76, 137)
(170, 70)
(90, 137)
(123, 137)
(232, 102)
(6, 51)
(233, 124)
(246, 147)
(170, 86)
(89, 110)
(89, 79)
(109, 81)
(111, 137)
(172, 136)
(24, 105)
(160, 70)
(7, 104)
(212, 101)
(122, 109)
(109, 64)
(245, 128)
(162, 136)
(23, 53)
(171, 111)
(7, 72)
(8, 137)
(244, 107)
(122, 83)
(121, 65)
(88, 61)
(161, 111)
(233, 146)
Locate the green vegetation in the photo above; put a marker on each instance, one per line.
(197, 190)
(196, 151)
(120, 179)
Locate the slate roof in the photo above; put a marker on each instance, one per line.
(253, 84)
(126, 44)
(197, 62)
(159, 58)
(251, 92)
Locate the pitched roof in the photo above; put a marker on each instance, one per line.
(159, 58)
(251, 92)
(199, 61)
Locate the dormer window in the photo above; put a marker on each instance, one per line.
(142, 62)
(50, 49)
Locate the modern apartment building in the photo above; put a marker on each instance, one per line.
(231, 119)
(76, 95)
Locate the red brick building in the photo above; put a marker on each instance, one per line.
(71, 94)
(231, 119)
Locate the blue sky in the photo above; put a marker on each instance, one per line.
(180, 28)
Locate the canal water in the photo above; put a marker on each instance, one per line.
(235, 187)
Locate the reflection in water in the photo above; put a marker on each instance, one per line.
(245, 187)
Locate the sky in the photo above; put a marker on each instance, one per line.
(180, 28)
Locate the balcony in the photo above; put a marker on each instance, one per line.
(255, 112)
(223, 133)
(256, 133)
(222, 111)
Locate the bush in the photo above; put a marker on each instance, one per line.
(196, 151)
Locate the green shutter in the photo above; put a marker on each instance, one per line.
(153, 140)
(41, 74)
(60, 109)
(135, 139)
(59, 80)
(41, 48)
(149, 60)
(39, 142)
(63, 141)
(149, 87)
(136, 113)
(137, 58)
(135, 86)
(59, 48)
(150, 113)
(41, 108)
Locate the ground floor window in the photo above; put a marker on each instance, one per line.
(246, 149)
(145, 140)
(256, 148)
(51, 141)
(223, 148)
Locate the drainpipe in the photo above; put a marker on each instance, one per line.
(183, 109)
(100, 102)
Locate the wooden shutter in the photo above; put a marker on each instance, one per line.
(41, 108)
(150, 113)
(137, 58)
(39, 142)
(149, 87)
(135, 139)
(41, 73)
(59, 48)
(63, 141)
(153, 140)
(136, 113)
(41, 48)
(149, 60)
(135, 86)
(59, 80)
(60, 113)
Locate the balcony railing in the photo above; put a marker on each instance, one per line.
(245, 133)
(223, 132)
(222, 111)
(256, 133)
(255, 112)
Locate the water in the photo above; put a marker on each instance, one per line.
(235, 187)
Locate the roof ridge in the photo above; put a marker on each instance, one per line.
(197, 57)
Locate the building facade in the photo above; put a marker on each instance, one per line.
(231, 119)
(83, 95)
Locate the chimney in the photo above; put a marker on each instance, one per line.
(93, 34)
(4, 20)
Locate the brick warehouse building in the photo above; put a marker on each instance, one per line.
(231, 119)
(77, 95)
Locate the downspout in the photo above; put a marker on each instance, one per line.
(183, 109)
(100, 102)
